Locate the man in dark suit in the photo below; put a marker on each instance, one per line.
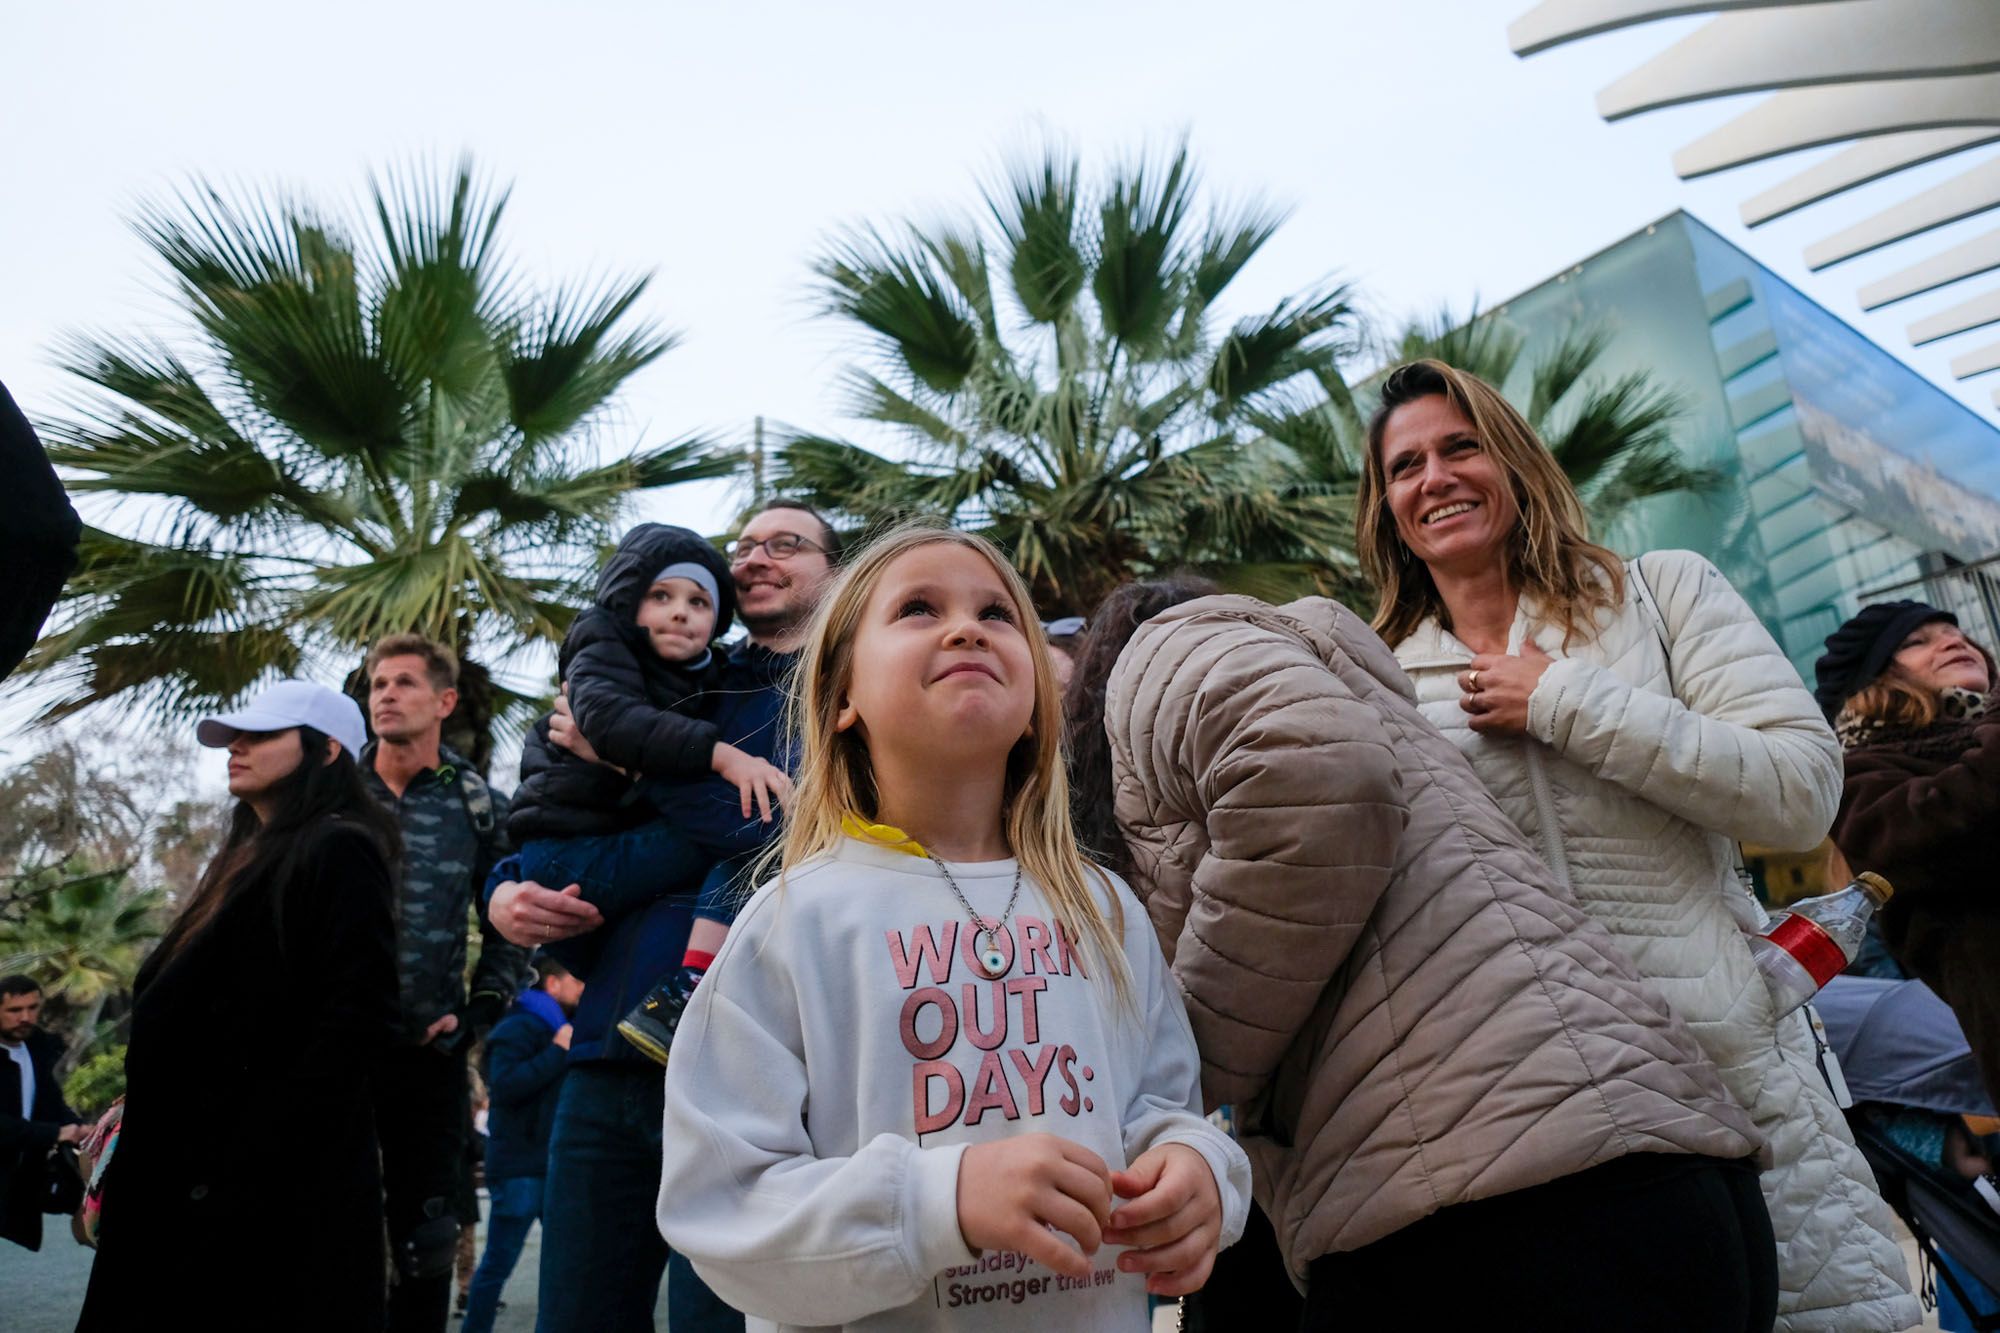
(33, 1116)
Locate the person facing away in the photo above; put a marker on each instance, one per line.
(1913, 702)
(38, 544)
(936, 1052)
(34, 1118)
(602, 1255)
(247, 1152)
(527, 1053)
(1438, 1061)
(644, 684)
(453, 828)
(1635, 721)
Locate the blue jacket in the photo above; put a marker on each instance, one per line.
(524, 1071)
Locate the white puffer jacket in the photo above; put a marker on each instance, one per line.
(1635, 779)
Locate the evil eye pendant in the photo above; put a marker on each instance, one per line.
(991, 959)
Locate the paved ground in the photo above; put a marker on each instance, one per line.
(41, 1293)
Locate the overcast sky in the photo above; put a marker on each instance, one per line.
(717, 144)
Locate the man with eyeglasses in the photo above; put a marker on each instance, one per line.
(602, 1256)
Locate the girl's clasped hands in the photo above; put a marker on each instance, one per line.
(1016, 1194)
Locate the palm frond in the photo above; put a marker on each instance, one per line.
(575, 351)
(1140, 279)
(1036, 213)
(918, 314)
(277, 289)
(1562, 368)
(1298, 336)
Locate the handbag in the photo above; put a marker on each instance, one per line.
(62, 1180)
(92, 1156)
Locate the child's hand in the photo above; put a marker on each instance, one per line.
(1173, 1220)
(1011, 1192)
(757, 781)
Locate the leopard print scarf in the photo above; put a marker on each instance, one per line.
(1959, 710)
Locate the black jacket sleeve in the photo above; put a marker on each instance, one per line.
(607, 694)
(18, 1134)
(38, 540)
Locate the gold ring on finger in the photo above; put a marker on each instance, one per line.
(1472, 683)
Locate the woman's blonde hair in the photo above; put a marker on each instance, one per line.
(1551, 555)
(835, 778)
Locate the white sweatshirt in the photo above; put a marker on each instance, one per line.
(845, 1048)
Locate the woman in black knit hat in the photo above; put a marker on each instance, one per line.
(1912, 700)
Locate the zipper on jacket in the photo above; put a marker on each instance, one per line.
(1553, 850)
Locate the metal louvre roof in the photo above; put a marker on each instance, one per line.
(1906, 82)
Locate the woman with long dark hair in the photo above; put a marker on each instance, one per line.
(247, 1161)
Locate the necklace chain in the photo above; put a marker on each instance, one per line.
(988, 933)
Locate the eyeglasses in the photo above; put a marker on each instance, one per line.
(781, 546)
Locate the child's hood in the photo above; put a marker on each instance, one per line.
(650, 548)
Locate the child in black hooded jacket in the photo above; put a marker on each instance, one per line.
(645, 822)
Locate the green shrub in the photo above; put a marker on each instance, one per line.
(97, 1082)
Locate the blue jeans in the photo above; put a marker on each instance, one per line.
(620, 872)
(602, 1256)
(516, 1204)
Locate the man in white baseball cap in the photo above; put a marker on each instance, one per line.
(290, 703)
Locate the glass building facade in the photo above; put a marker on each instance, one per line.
(1845, 476)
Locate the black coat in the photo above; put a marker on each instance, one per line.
(638, 711)
(38, 540)
(247, 1170)
(26, 1138)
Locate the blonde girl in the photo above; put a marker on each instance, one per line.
(939, 1077)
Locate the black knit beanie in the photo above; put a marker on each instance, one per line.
(1860, 650)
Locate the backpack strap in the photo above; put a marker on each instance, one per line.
(477, 798)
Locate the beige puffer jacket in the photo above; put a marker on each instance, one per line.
(1634, 797)
(1377, 968)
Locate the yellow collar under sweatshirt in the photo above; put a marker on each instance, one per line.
(847, 1046)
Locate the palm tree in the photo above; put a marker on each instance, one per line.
(83, 936)
(1056, 379)
(376, 428)
(1613, 438)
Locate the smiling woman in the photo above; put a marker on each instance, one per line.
(1635, 721)
(1913, 702)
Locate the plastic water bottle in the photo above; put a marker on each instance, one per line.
(1814, 940)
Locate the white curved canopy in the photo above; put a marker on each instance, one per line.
(1906, 82)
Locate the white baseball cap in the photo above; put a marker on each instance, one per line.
(290, 703)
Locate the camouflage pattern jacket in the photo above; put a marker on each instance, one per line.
(454, 829)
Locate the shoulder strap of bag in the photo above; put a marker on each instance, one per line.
(1637, 573)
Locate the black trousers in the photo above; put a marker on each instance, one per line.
(1248, 1288)
(421, 1118)
(1649, 1243)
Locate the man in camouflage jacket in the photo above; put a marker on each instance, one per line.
(453, 831)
